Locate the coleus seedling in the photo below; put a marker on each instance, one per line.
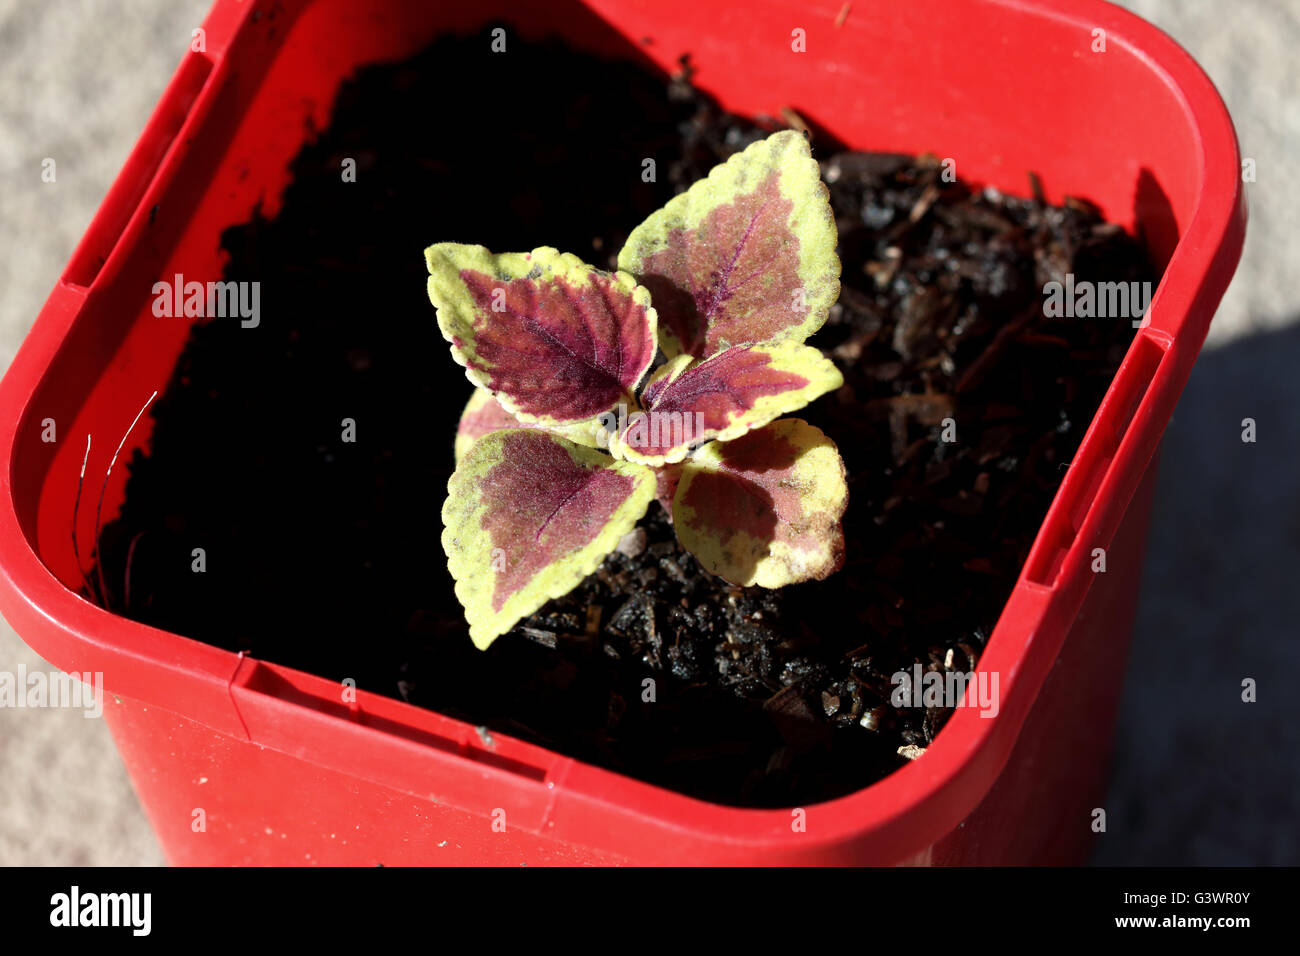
(566, 440)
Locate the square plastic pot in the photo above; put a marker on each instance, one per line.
(287, 773)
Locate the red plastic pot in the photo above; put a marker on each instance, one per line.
(287, 773)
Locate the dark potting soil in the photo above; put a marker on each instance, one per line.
(324, 554)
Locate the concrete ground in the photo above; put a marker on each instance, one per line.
(1200, 777)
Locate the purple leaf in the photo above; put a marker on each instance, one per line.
(529, 515)
(744, 256)
(765, 509)
(556, 341)
(735, 391)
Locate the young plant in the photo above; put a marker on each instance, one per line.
(562, 447)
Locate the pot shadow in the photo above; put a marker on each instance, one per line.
(1202, 777)
(1154, 213)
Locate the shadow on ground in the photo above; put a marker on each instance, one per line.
(1200, 777)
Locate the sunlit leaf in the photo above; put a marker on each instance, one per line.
(528, 516)
(746, 255)
(557, 342)
(739, 389)
(483, 415)
(765, 509)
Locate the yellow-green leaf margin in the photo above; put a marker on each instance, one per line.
(811, 221)
(818, 372)
(798, 485)
(483, 414)
(469, 547)
(457, 312)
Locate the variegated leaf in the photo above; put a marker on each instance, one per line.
(746, 255)
(557, 342)
(739, 389)
(765, 509)
(483, 415)
(528, 516)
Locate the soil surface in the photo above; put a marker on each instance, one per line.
(324, 554)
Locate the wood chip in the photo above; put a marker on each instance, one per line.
(545, 638)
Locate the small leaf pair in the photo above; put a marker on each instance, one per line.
(565, 441)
